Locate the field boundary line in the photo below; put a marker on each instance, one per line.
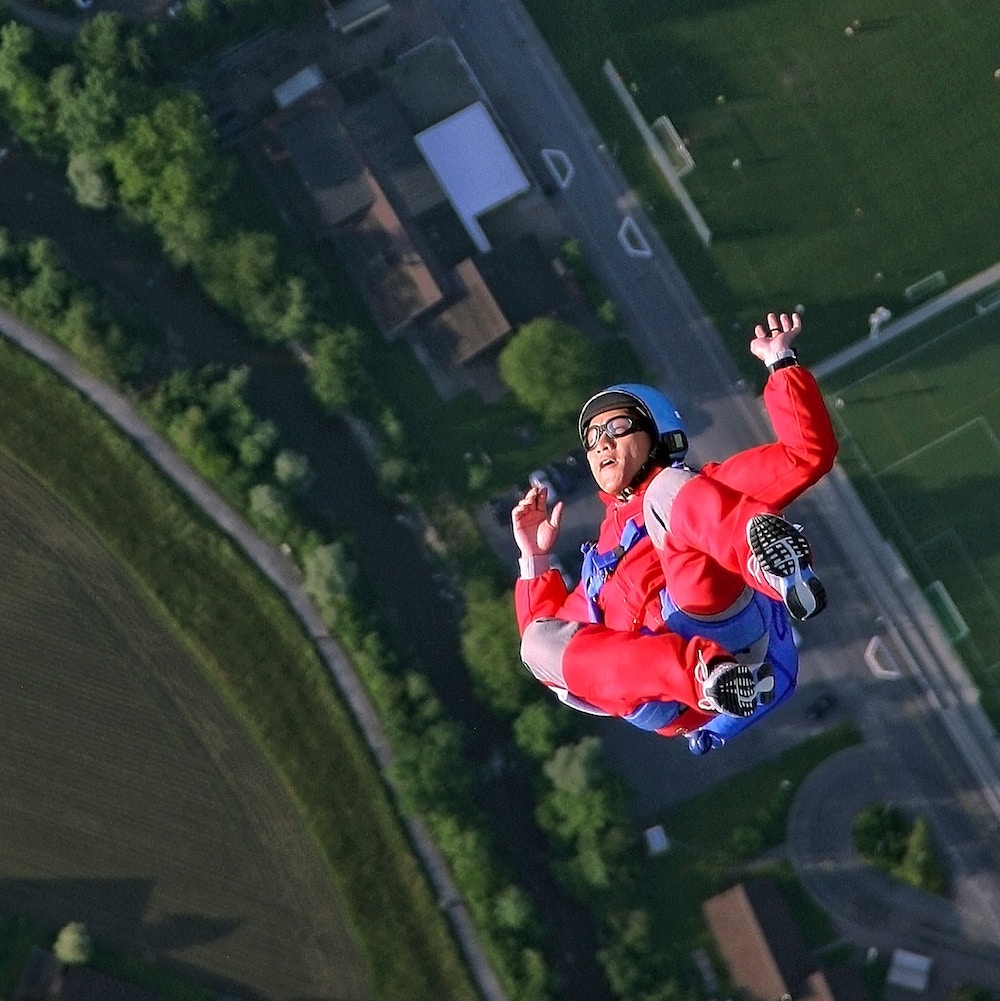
(928, 445)
(916, 632)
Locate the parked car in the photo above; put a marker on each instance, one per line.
(821, 707)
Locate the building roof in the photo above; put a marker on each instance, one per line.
(386, 264)
(326, 162)
(473, 164)
(350, 15)
(468, 326)
(759, 940)
(298, 85)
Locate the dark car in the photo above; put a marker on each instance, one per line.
(821, 707)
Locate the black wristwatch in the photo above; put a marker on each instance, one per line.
(785, 361)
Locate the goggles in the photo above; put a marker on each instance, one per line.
(615, 427)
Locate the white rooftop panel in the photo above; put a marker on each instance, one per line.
(473, 164)
(296, 86)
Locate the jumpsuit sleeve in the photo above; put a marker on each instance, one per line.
(546, 597)
(776, 474)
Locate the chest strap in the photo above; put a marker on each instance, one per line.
(598, 567)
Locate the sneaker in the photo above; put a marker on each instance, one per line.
(782, 557)
(734, 689)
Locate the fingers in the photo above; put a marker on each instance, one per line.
(555, 519)
(776, 333)
(532, 507)
(779, 323)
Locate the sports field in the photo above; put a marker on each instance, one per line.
(919, 425)
(843, 150)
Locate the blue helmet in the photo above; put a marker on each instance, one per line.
(666, 424)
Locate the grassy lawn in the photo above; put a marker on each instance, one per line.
(715, 835)
(918, 423)
(865, 160)
(193, 578)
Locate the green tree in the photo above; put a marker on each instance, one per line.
(920, 866)
(258, 443)
(292, 471)
(430, 768)
(269, 509)
(969, 992)
(88, 115)
(88, 178)
(489, 646)
(22, 91)
(551, 368)
(336, 375)
(541, 727)
(169, 175)
(45, 296)
(329, 574)
(513, 910)
(879, 832)
(72, 945)
(98, 44)
(240, 272)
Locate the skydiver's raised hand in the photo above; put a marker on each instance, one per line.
(535, 529)
(774, 339)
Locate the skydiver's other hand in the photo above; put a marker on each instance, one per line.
(535, 529)
(775, 337)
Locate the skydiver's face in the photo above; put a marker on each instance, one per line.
(614, 462)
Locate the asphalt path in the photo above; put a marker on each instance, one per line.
(908, 744)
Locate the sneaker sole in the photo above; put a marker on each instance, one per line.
(783, 553)
(750, 692)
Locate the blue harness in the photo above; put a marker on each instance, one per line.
(760, 629)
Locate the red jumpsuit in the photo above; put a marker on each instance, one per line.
(618, 665)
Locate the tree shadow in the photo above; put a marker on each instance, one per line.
(180, 931)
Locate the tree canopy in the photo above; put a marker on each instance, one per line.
(551, 368)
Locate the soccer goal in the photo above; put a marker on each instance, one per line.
(673, 145)
(947, 611)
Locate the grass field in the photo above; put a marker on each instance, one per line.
(918, 422)
(131, 787)
(866, 160)
(133, 801)
(735, 822)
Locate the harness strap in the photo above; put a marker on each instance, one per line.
(598, 567)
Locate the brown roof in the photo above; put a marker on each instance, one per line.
(386, 264)
(471, 324)
(759, 940)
